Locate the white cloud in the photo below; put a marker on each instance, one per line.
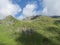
(44, 12)
(53, 7)
(29, 10)
(8, 8)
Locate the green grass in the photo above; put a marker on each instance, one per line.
(47, 31)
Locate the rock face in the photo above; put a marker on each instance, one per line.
(28, 31)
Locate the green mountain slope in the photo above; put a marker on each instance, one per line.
(42, 30)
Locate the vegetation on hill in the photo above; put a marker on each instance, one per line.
(42, 30)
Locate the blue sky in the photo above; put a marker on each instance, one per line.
(23, 3)
(25, 8)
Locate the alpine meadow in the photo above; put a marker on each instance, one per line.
(38, 30)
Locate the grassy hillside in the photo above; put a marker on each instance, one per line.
(42, 30)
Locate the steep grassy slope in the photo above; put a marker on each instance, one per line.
(46, 31)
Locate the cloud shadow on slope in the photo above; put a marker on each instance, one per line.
(33, 38)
